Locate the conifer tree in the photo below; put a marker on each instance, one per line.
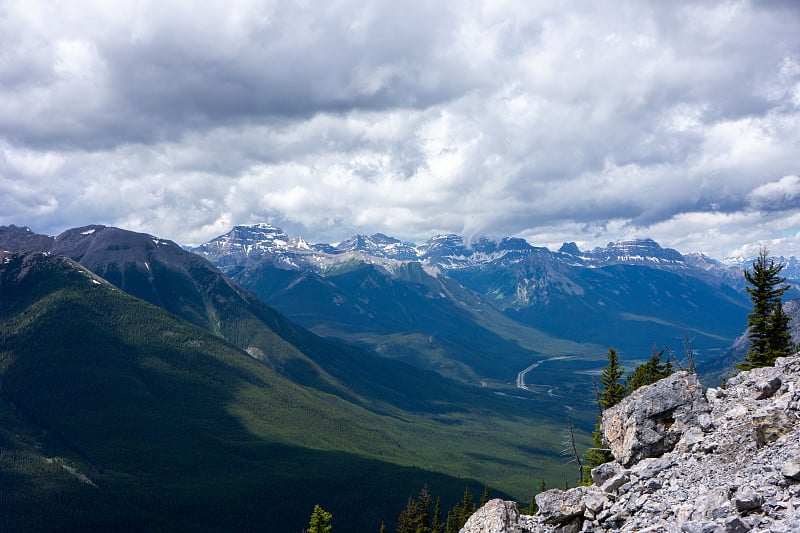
(768, 327)
(613, 390)
(416, 517)
(611, 393)
(406, 522)
(486, 496)
(320, 521)
(423, 518)
(649, 372)
(460, 513)
(436, 525)
(451, 526)
(533, 507)
(467, 506)
(780, 338)
(383, 528)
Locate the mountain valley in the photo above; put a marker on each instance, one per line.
(140, 378)
(414, 302)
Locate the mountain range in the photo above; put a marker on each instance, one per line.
(415, 302)
(138, 377)
(137, 382)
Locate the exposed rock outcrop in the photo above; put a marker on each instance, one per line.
(651, 422)
(724, 461)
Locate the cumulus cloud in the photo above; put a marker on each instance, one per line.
(568, 121)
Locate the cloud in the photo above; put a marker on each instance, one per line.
(159, 70)
(781, 195)
(572, 121)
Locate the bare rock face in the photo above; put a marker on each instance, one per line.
(649, 422)
(558, 506)
(497, 516)
(727, 461)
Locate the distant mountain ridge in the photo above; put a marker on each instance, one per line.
(449, 305)
(630, 294)
(246, 245)
(250, 244)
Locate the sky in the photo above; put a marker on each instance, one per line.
(559, 121)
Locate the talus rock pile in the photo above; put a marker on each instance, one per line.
(727, 461)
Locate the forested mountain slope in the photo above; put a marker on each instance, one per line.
(118, 415)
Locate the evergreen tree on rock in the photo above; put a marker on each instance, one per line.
(612, 392)
(650, 372)
(780, 338)
(768, 325)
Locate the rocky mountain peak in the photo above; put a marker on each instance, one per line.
(637, 251)
(248, 238)
(22, 239)
(245, 244)
(570, 248)
(98, 244)
(379, 245)
(727, 460)
(446, 250)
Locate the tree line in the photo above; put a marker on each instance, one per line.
(422, 514)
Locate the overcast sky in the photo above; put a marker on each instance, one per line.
(560, 121)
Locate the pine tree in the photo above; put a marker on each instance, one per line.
(780, 338)
(436, 525)
(612, 392)
(416, 517)
(460, 512)
(467, 505)
(767, 326)
(649, 372)
(423, 518)
(383, 528)
(452, 520)
(320, 521)
(406, 522)
(533, 508)
(597, 454)
(486, 496)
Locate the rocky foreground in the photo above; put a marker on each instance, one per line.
(724, 461)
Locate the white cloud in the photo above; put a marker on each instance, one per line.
(547, 120)
(778, 195)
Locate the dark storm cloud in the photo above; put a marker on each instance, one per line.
(177, 68)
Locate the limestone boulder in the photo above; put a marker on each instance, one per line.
(558, 506)
(496, 516)
(649, 422)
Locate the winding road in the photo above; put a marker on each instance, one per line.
(521, 375)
